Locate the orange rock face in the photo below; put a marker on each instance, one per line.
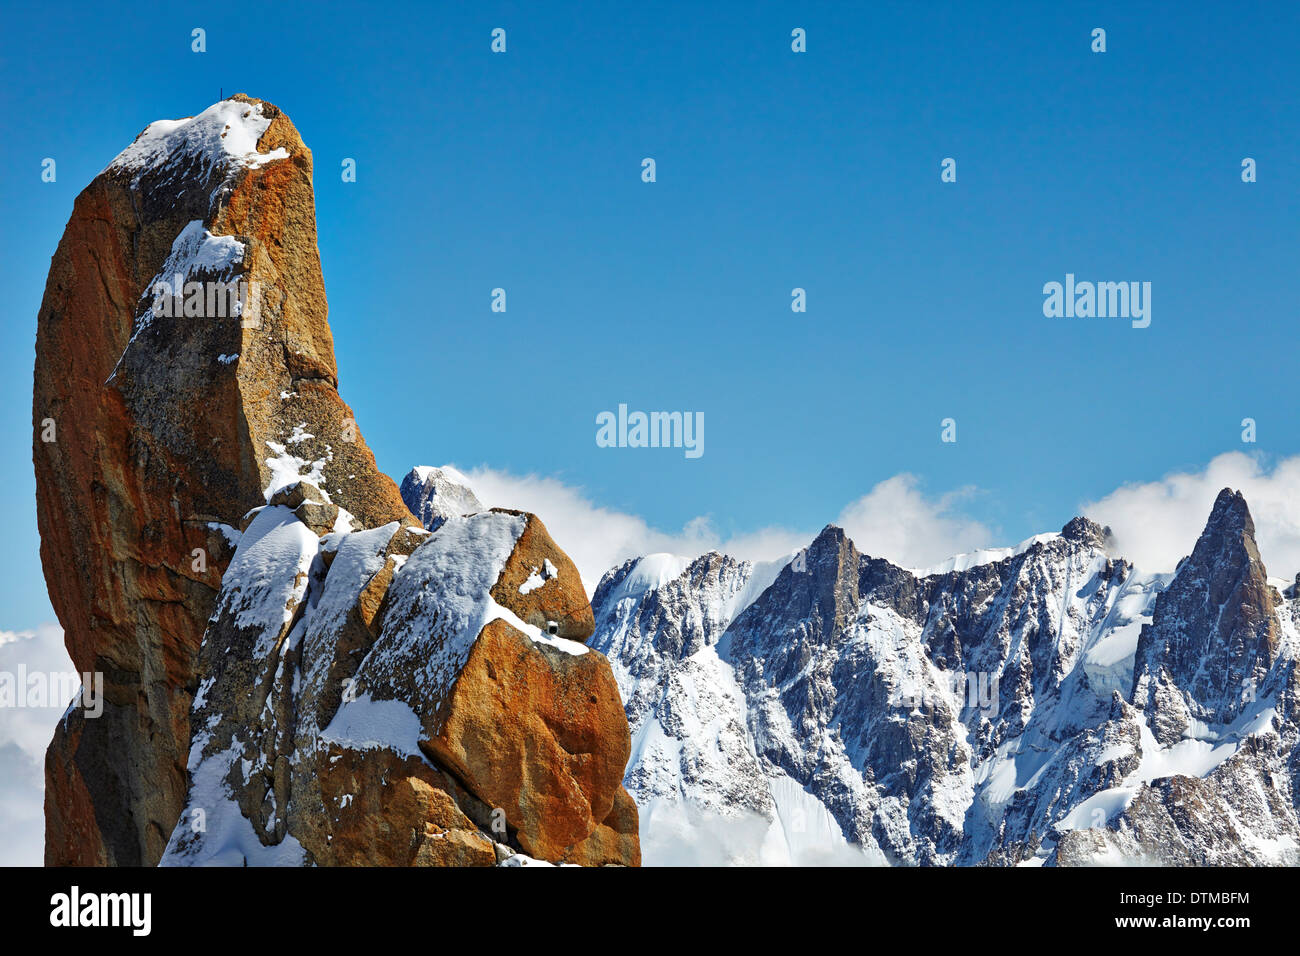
(166, 430)
(380, 809)
(537, 729)
(541, 585)
(156, 443)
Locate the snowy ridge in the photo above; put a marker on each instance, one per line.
(973, 559)
(223, 135)
(976, 712)
(436, 494)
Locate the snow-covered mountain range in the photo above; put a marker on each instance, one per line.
(1045, 704)
(1048, 704)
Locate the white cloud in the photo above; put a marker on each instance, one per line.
(1157, 523)
(599, 538)
(894, 520)
(25, 732)
(39, 653)
(897, 521)
(684, 833)
(22, 808)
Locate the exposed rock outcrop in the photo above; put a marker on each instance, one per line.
(436, 494)
(1214, 635)
(284, 658)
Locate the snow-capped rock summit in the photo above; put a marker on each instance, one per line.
(1214, 636)
(1049, 705)
(435, 494)
(296, 671)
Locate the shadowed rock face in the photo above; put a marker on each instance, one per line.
(1214, 634)
(172, 419)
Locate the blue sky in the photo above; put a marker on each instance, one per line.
(774, 170)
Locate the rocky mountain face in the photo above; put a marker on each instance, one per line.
(1215, 635)
(1053, 706)
(295, 670)
(435, 494)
